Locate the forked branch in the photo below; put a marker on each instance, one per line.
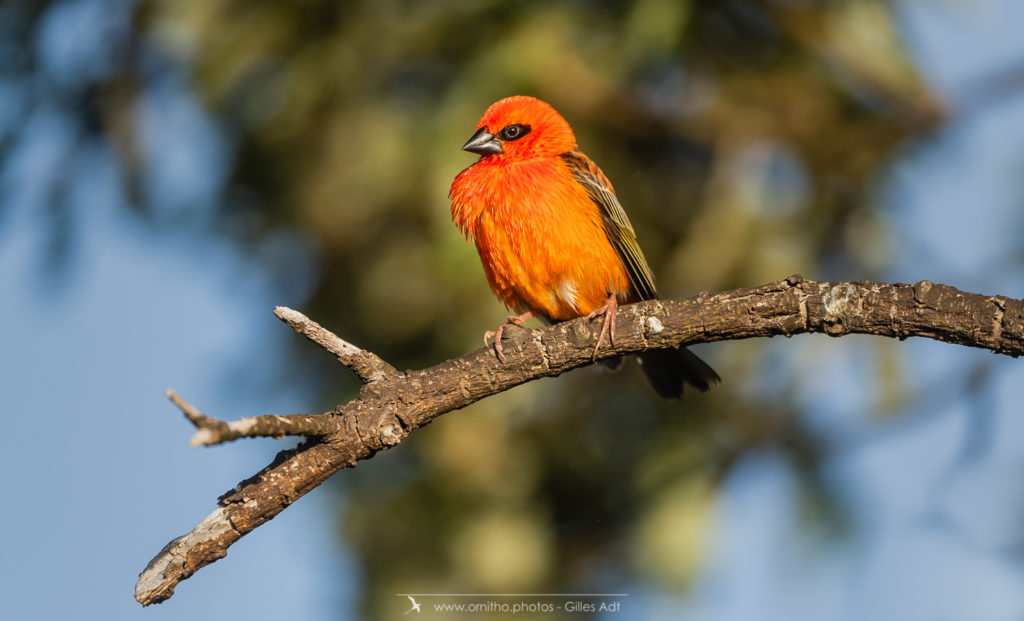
(392, 404)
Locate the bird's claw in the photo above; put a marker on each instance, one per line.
(611, 305)
(497, 341)
(499, 351)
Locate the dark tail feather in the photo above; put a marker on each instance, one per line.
(669, 369)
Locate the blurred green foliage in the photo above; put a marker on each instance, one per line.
(743, 138)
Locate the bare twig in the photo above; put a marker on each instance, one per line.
(392, 404)
(367, 365)
(210, 431)
(194, 416)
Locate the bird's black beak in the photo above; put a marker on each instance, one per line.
(482, 143)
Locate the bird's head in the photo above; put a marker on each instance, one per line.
(521, 128)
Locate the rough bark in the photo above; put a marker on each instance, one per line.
(392, 404)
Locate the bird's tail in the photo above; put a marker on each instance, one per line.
(669, 369)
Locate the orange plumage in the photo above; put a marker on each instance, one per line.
(553, 239)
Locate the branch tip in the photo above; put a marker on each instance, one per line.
(203, 437)
(370, 367)
(196, 417)
(288, 315)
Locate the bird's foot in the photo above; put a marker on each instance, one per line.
(517, 320)
(608, 325)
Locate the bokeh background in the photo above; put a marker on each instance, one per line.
(171, 171)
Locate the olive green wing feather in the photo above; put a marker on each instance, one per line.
(616, 223)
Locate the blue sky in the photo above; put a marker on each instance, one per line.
(106, 473)
(100, 474)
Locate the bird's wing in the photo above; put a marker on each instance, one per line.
(411, 599)
(616, 223)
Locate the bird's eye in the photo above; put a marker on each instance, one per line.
(513, 132)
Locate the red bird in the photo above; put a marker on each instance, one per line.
(554, 241)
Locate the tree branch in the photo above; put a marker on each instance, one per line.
(391, 404)
(368, 366)
(210, 431)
